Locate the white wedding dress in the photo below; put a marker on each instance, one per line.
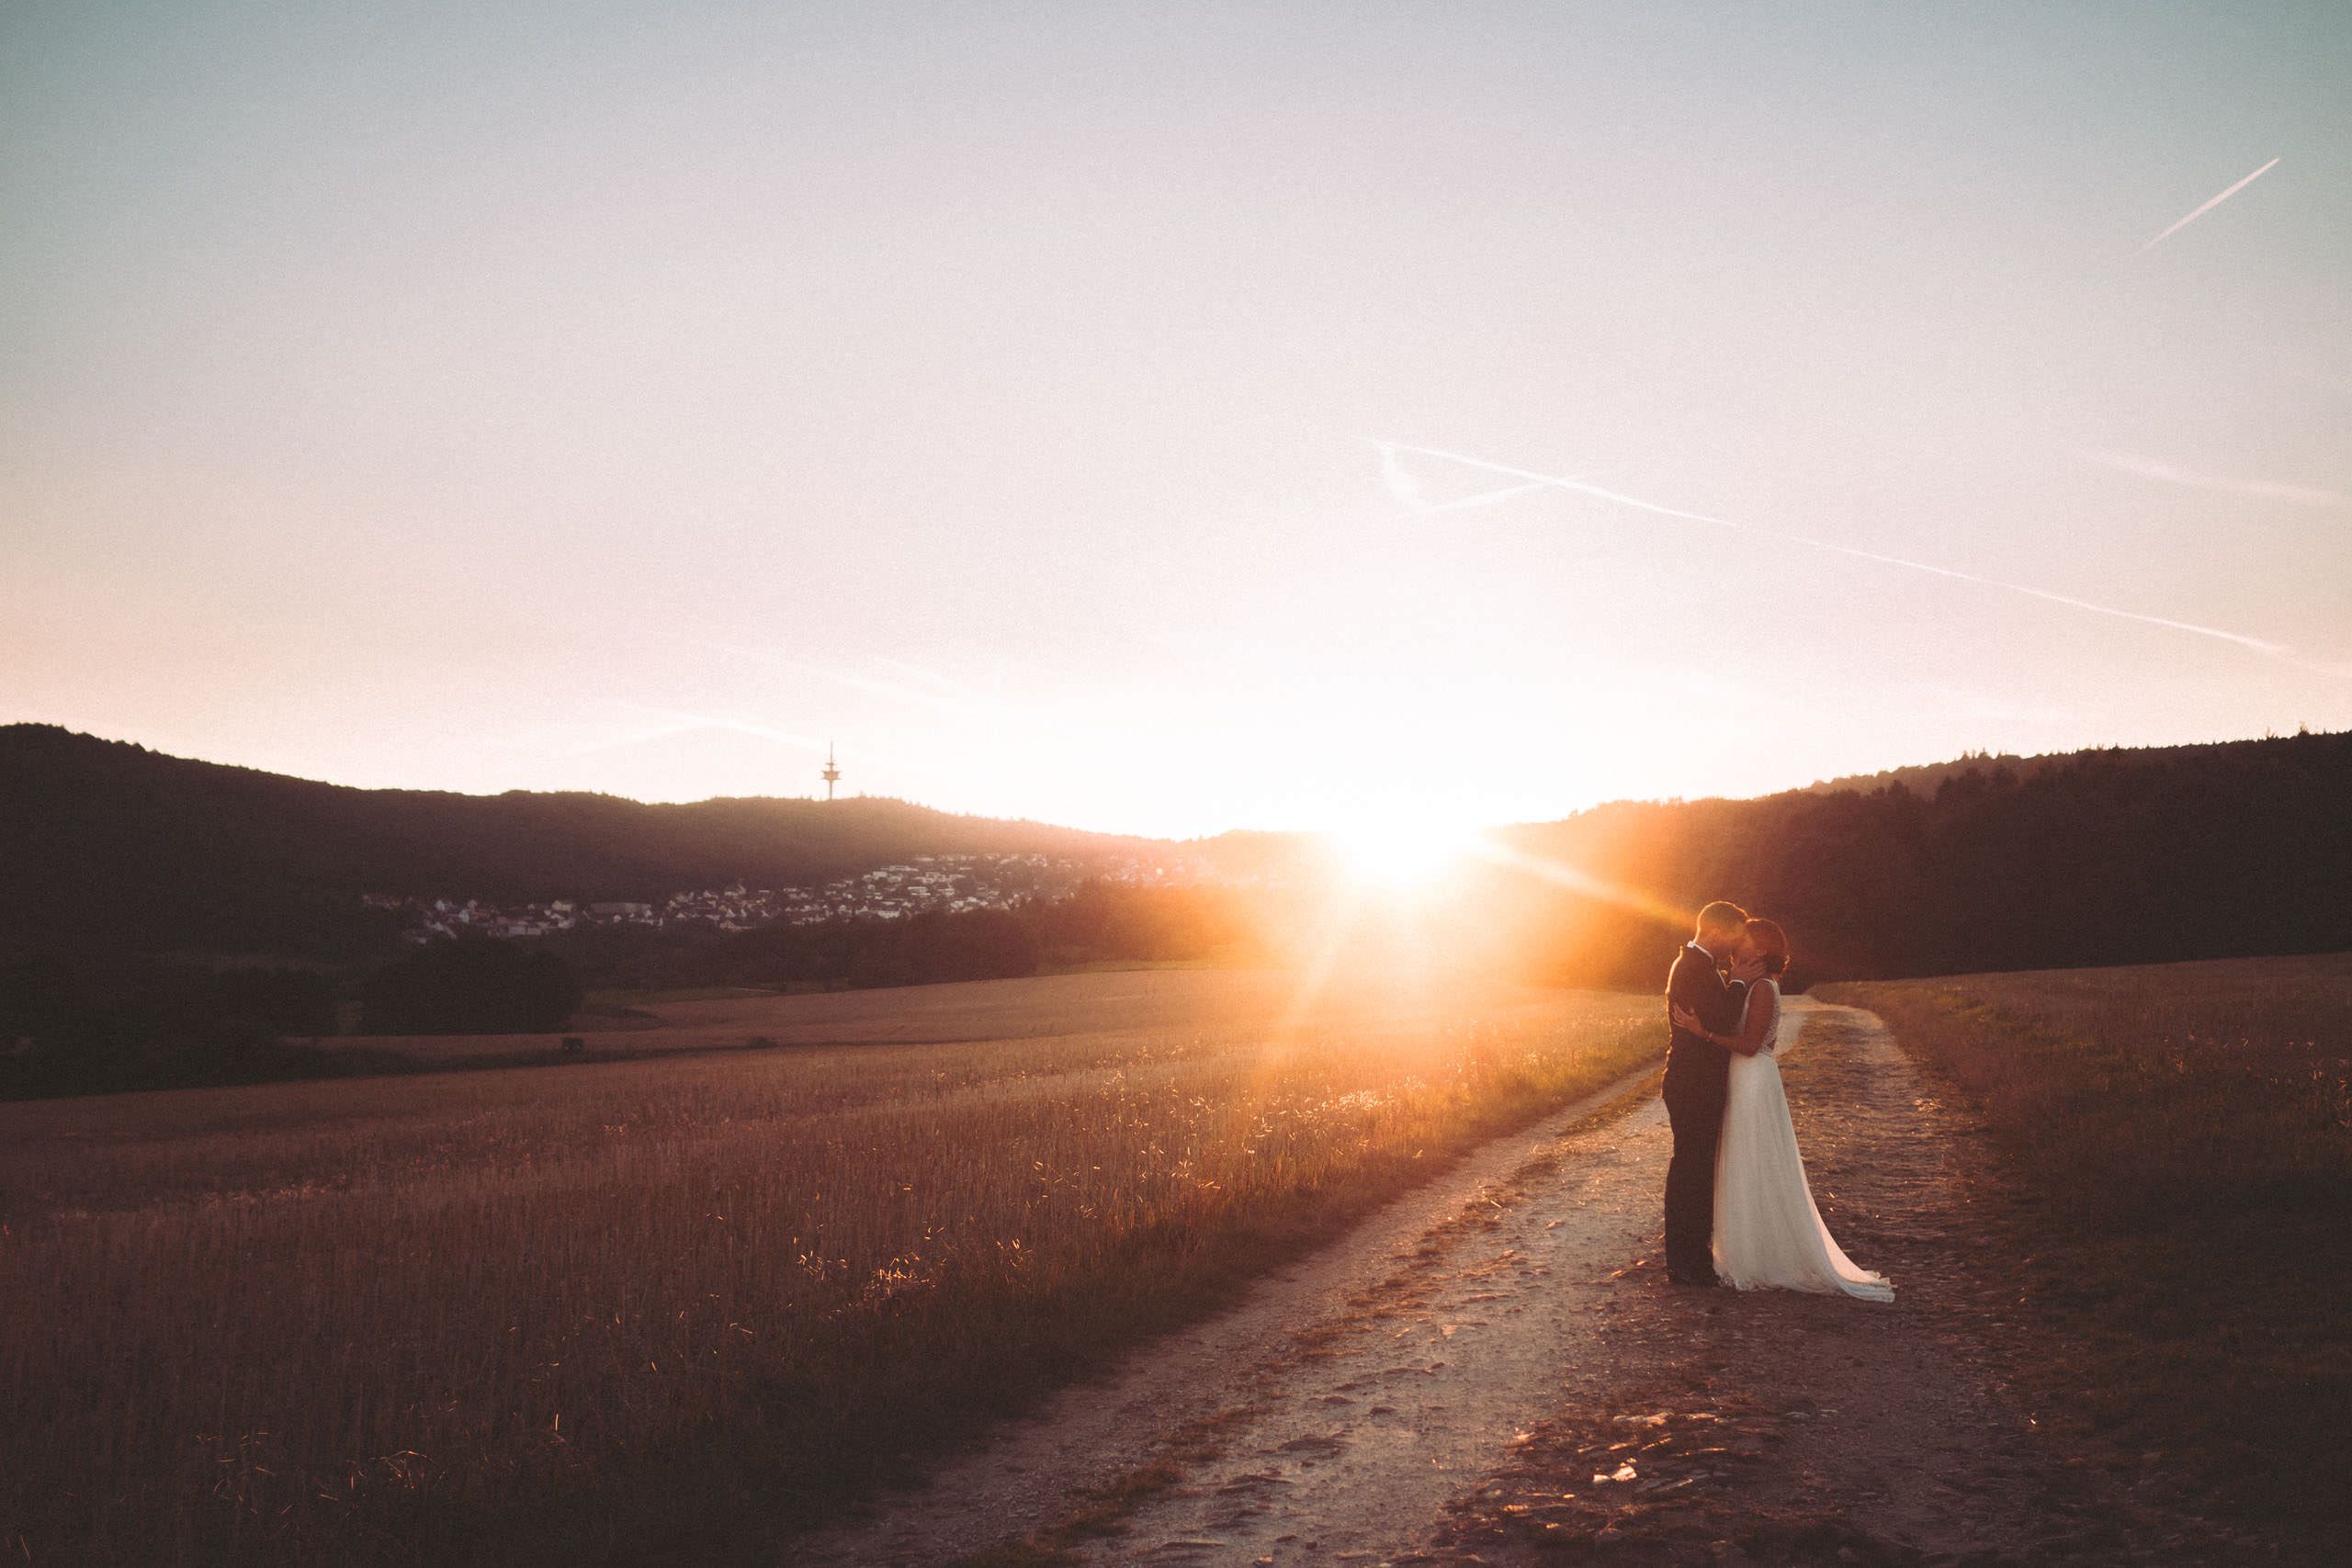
(1768, 1235)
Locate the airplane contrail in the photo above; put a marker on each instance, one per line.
(1398, 478)
(2209, 207)
(1406, 488)
(1484, 498)
(1535, 480)
(1552, 482)
(2171, 473)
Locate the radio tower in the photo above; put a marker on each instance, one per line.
(832, 772)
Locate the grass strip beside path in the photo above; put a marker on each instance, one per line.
(2182, 1140)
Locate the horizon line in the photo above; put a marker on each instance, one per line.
(1838, 779)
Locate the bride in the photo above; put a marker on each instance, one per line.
(1768, 1235)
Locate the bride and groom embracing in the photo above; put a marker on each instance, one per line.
(1737, 1209)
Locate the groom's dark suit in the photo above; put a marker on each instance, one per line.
(1697, 1080)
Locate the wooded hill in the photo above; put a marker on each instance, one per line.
(2098, 857)
(1925, 778)
(106, 843)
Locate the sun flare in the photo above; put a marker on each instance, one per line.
(1402, 855)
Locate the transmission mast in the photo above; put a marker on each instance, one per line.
(832, 771)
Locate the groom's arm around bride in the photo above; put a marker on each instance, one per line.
(1697, 984)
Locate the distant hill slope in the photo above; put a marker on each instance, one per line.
(1922, 778)
(2108, 856)
(1925, 778)
(101, 840)
(2101, 857)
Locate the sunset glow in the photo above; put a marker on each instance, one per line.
(739, 741)
(1263, 418)
(1405, 854)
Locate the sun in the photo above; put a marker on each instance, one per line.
(1402, 855)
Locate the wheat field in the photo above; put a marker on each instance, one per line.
(578, 1313)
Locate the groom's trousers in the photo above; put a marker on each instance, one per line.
(1695, 1111)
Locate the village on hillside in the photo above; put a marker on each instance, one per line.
(953, 884)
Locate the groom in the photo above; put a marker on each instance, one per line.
(1698, 1078)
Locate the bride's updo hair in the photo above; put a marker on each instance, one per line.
(1771, 945)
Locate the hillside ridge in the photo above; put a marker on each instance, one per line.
(108, 842)
(2113, 854)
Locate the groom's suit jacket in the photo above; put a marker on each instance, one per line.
(1695, 1068)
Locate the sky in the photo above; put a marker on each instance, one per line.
(1146, 418)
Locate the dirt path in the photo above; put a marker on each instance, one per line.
(1494, 1370)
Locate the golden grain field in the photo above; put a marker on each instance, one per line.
(583, 1312)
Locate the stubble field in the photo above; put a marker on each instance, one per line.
(2180, 1138)
(668, 1309)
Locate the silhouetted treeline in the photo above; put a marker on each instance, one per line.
(1102, 919)
(471, 985)
(978, 944)
(93, 1023)
(2104, 857)
(1110, 919)
(88, 1025)
(98, 1023)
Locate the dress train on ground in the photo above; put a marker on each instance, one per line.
(1769, 1231)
